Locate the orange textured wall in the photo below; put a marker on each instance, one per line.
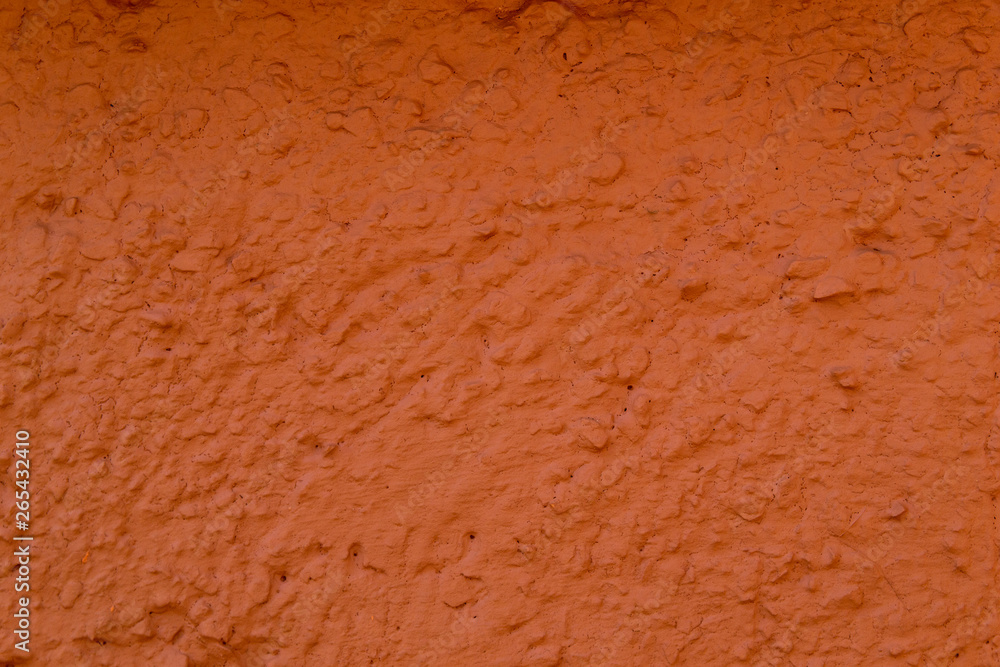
(481, 333)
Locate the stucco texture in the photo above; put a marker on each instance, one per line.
(488, 333)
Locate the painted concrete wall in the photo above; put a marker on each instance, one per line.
(461, 333)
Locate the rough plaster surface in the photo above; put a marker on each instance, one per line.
(486, 334)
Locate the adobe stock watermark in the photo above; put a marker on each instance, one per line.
(726, 19)
(87, 147)
(22, 554)
(752, 331)
(35, 22)
(445, 644)
(581, 158)
(375, 22)
(653, 267)
(951, 299)
(462, 456)
(267, 139)
(224, 7)
(472, 97)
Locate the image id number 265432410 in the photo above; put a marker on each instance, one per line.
(22, 541)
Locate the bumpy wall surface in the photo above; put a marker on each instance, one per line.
(482, 333)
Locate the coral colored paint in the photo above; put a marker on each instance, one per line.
(556, 333)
